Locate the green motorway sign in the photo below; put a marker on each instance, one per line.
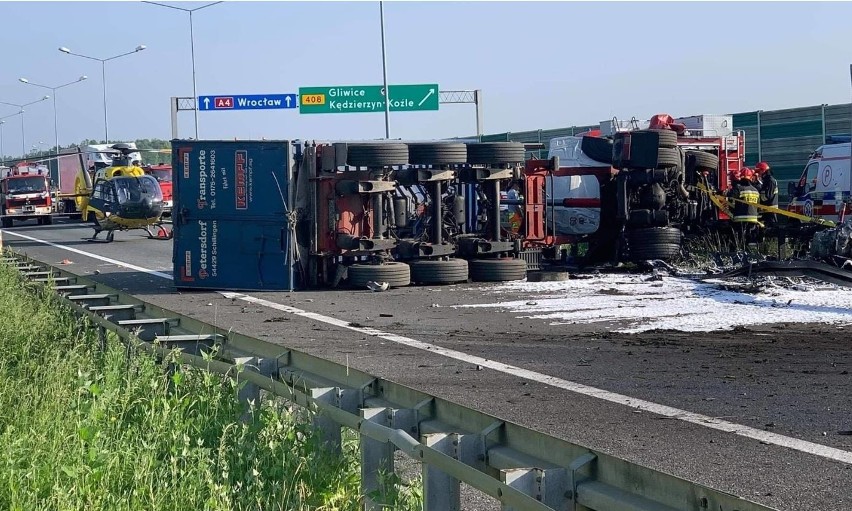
(350, 99)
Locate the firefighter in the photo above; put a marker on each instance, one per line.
(745, 218)
(768, 191)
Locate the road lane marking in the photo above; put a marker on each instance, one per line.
(578, 388)
(93, 256)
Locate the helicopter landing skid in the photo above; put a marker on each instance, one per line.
(109, 237)
(162, 233)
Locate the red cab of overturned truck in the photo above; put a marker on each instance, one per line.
(573, 195)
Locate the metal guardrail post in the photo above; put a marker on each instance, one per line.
(525, 480)
(376, 457)
(249, 393)
(101, 338)
(583, 462)
(328, 429)
(441, 491)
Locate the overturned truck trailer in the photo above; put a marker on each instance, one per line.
(289, 215)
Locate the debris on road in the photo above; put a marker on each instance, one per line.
(377, 286)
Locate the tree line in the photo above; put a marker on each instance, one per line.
(141, 143)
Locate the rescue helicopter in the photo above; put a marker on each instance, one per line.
(121, 197)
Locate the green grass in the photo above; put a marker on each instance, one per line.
(82, 429)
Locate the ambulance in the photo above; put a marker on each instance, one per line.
(823, 190)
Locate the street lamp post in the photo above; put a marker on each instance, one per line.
(103, 76)
(385, 70)
(191, 50)
(2, 122)
(21, 112)
(54, 89)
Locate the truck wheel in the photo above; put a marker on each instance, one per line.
(701, 161)
(438, 272)
(496, 153)
(47, 220)
(654, 243)
(667, 158)
(394, 273)
(437, 154)
(377, 154)
(7, 221)
(597, 148)
(653, 138)
(497, 270)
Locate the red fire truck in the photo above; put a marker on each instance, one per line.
(25, 194)
(162, 172)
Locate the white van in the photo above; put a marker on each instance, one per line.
(823, 190)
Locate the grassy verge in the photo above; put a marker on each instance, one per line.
(84, 429)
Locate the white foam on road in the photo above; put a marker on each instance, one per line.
(767, 437)
(638, 305)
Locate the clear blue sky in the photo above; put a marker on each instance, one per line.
(540, 65)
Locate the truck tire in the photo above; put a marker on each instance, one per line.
(597, 148)
(394, 273)
(437, 154)
(653, 138)
(654, 243)
(661, 251)
(376, 154)
(660, 158)
(668, 158)
(47, 220)
(7, 221)
(655, 235)
(701, 161)
(497, 270)
(424, 271)
(496, 153)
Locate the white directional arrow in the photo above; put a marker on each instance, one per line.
(431, 91)
(287, 99)
(207, 103)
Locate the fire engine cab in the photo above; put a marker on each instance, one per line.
(25, 194)
(163, 174)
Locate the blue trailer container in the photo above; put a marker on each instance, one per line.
(230, 214)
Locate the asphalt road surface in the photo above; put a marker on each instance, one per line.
(763, 413)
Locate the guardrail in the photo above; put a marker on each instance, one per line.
(522, 468)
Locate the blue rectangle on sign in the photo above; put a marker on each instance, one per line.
(248, 102)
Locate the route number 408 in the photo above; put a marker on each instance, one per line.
(313, 99)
